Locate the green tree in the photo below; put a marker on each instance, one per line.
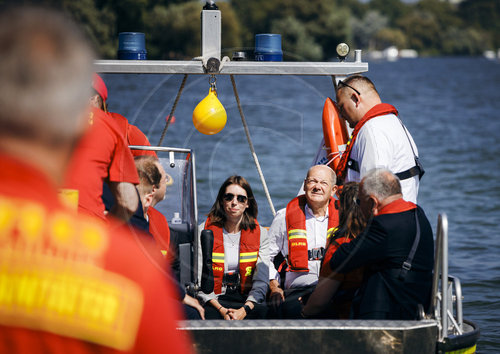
(299, 44)
(365, 29)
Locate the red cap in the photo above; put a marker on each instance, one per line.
(99, 85)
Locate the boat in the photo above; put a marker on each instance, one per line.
(441, 329)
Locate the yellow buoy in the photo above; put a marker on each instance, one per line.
(209, 116)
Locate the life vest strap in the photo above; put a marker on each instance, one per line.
(353, 164)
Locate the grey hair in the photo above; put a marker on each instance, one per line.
(381, 183)
(333, 176)
(46, 73)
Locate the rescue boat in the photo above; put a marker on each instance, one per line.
(442, 328)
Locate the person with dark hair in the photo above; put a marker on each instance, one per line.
(333, 295)
(396, 249)
(379, 138)
(240, 255)
(70, 283)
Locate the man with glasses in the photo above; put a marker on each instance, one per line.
(379, 138)
(300, 233)
(396, 249)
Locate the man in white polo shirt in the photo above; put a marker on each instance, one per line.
(379, 138)
(300, 232)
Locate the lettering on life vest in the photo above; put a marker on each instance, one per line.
(295, 244)
(214, 267)
(248, 271)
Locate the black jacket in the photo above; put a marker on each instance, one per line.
(382, 249)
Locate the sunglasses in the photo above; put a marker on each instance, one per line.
(346, 85)
(230, 196)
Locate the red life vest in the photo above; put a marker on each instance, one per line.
(377, 110)
(298, 257)
(332, 248)
(249, 251)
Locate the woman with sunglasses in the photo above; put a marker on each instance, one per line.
(240, 256)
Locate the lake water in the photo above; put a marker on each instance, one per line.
(450, 105)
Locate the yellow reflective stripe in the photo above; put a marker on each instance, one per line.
(218, 257)
(331, 232)
(248, 257)
(297, 232)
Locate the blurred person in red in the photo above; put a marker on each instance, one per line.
(68, 283)
(103, 156)
(131, 133)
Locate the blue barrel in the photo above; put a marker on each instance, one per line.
(131, 46)
(268, 47)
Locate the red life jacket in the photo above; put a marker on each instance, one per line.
(378, 110)
(249, 251)
(332, 248)
(298, 257)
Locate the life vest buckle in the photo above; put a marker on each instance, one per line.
(231, 281)
(316, 254)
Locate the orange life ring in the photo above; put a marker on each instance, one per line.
(334, 133)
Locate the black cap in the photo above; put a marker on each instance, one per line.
(210, 5)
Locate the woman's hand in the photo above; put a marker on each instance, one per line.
(238, 314)
(224, 312)
(191, 301)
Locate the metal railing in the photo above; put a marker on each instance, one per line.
(446, 302)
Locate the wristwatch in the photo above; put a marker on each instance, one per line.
(247, 309)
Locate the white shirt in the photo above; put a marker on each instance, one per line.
(316, 237)
(382, 143)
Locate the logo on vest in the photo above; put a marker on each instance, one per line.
(248, 271)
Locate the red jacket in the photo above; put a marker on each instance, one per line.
(72, 284)
(101, 155)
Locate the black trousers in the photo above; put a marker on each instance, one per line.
(234, 300)
(291, 307)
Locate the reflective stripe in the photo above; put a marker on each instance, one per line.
(297, 233)
(248, 257)
(331, 231)
(218, 257)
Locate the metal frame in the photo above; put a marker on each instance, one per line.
(231, 67)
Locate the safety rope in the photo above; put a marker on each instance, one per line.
(250, 144)
(171, 115)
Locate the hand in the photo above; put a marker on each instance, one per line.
(191, 301)
(224, 312)
(277, 294)
(238, 314)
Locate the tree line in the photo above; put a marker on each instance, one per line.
(310, 29)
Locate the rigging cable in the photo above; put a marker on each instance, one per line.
(171, 115)
(250, 144)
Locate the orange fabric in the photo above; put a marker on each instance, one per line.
(334, 132)
(298, 259)
(334, 244)
(73, 291)
(397, 206)
(249, 242)
(378, 110)
(158, 227)
(101, 155)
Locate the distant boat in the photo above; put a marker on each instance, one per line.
(392, 53)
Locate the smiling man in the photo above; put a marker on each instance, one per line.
(300, 233)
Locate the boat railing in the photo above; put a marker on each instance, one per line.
(446, 301)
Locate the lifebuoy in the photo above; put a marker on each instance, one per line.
(334, 133)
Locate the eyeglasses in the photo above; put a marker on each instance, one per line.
(346, 85)
(313, 181)
(228, 197)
